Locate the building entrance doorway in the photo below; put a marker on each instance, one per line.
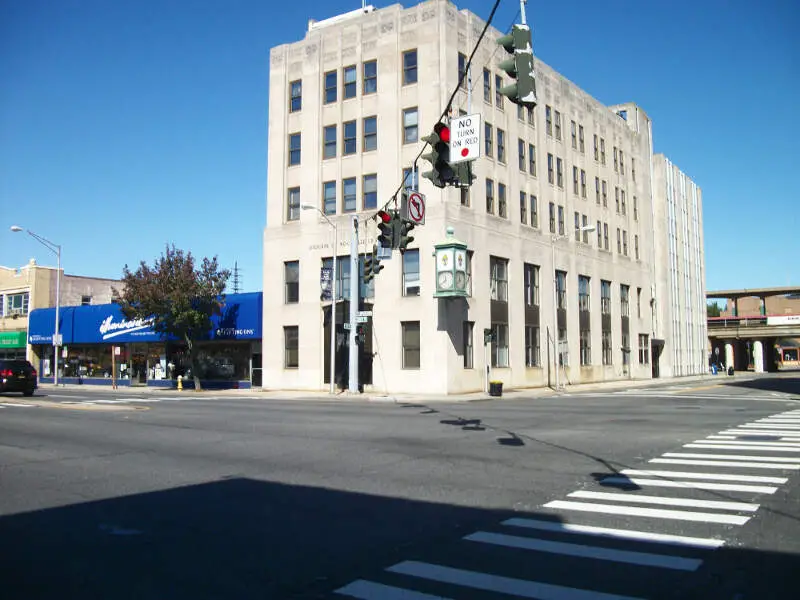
(138, 361)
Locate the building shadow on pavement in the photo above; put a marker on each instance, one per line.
(787, 385)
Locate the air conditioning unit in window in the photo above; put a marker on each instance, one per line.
(16, 312)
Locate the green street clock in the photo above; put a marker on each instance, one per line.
(451, 267)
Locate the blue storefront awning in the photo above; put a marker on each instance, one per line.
(105, 323)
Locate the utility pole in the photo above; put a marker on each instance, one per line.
(355, 282)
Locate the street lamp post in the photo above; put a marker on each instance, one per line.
(56, 249)
(554, 238)
(332, 360)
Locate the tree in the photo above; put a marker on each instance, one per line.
(178, 298)
(712, 309)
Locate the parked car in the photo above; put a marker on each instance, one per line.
(17, 376)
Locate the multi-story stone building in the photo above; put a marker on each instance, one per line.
(34, 286)
(559, 222)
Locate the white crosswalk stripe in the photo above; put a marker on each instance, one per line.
(633, 526)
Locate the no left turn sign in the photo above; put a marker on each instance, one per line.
(415, 208)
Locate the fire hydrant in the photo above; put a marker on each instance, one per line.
(180, 383)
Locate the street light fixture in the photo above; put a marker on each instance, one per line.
(556, 237)
(332, 360)
(56, 249)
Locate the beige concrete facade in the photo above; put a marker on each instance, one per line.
(34, 286)
(611, 145)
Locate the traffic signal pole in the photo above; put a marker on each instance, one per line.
(355, 282)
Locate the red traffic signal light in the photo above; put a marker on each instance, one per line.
(384, 216)
(443, 131)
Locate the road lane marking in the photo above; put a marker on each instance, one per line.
(641, 499)
(697, 485)
(17, 404)
(767, 443)
(722, 463)
(369, 590)
(750, 448)
(771, 426)
(750, 432)
(645, 559)
(712, 476)
(638, 511)
(772, 459)
(520, 588)
(645, 536)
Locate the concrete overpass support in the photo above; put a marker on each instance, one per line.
(758, 356)
(728, 355)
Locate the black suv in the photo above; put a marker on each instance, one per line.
(17, 376)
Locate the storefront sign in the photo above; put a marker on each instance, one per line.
(109, 328)
(12, 339)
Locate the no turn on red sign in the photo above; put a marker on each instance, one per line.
(465, 138)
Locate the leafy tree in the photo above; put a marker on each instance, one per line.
(179, 298)
(713, 309)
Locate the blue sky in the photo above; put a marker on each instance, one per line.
(131, 124)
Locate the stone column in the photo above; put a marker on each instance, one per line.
(758, 356)
(728, 355)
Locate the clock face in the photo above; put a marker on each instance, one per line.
(446, 280)
(461, 280)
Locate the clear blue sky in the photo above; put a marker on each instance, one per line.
(128, 124)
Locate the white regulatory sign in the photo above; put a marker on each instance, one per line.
(465, 138)
(416, 208)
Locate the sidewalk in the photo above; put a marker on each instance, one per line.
(377, 396)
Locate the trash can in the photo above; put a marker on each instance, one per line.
(495, 388)
(730, 370)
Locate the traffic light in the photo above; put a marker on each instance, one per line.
(463, 176)
(386, 227)
(369, 265)
(404, 229)
(519, 66)
(441, 173)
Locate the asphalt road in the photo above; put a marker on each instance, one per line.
(581, 495)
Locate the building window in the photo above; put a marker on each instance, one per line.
(462, 70)
(626, 349)
(585, 227)
(563, 348)
(531, 282)
(581, 143)
(561, 290)
(605, 236)
(490, 196)
(602, 151)
(370, 70)
(575, 180)
(342, 274)
(616, 197)
(550, 171)
(468, 344)
(532, 159)
(583, 183)
(329, 141)
(500, 345)
(605, 193)
(294, 149)
(636, 246)
(411, 345)
(616, 161)
(291, 335)
(639, 302)
(623, 210)
(596, 150)
(370, 191)
(330, 87)
(329, 197)
(531, 120)
(349, 78)
(548, 120)
(17, 304)
(501, 200)
(560, 220)
(501, 145)
(86, 300)
(409, 67)
(633, 169)
(464, 193)
(521, 153)
(370, 133)
(607, 354)
(583, 293)
(521, 112)
(644, 349)
(558, 125)
(586, 347)
(624, 294)
(619, 241)
(291, 277)
(560, 173)
(348, 138)
(599, 230)
(605, 297)
(597, 190)
(410, 125)
(523, 208)
(411, 272)
(488, 134)
(487, 86)
(621, 162)
(635, 209)
(411, 179)
(552, 217)
(625, 242)
(577, 226)
(573, 126)
(293, 204)
(534, 211)
(498, 273)
(532, 346)
(295, 95)
(349, 194)
(498, 97)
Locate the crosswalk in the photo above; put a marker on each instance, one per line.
(692, 393)
(626, 536)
